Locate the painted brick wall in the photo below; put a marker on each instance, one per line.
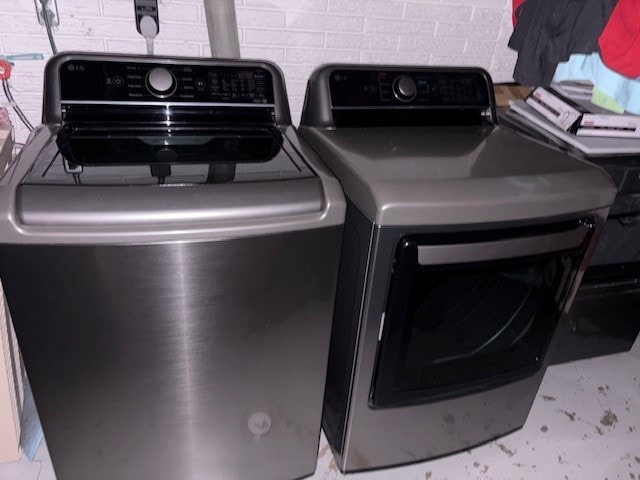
(296, 34)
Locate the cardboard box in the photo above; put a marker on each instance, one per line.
(6, 147)
(509, 91)
(11, 391)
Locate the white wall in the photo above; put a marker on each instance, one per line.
(296, 34)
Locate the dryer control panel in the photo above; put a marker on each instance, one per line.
(408, 88)
(385, 96)
(91, 81)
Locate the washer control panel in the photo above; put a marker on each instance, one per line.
(92, 81)
(430, 87)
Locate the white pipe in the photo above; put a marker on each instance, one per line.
(223, 28)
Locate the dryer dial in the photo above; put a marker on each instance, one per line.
(404, 88)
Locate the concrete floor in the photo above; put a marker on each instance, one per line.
(584, 424)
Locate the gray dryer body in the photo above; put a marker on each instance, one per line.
(463, 244)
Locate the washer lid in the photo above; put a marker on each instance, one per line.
(109, 213)
(129, 157)
(456, 175)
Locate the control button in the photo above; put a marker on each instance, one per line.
(118, 81)
(161, 82)
(404, 88)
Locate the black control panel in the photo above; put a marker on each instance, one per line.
(113, 81)
(464, 88)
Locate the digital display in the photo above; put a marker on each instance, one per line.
(248, 85)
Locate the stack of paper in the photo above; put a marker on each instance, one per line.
(574, 113)
(527, 116)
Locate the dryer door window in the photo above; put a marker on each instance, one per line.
(470, 316)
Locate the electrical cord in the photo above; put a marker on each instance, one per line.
(16, 108)
(47, 24)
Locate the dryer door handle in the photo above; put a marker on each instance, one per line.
(500, 249)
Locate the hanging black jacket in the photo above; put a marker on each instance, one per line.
(550, 31)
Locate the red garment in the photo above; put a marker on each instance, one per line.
(620, 39)
(514, 14)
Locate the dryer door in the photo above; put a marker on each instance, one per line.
(475, 313)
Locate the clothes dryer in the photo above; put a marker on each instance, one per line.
(464, 243)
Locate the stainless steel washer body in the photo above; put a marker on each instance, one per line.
(463, 244)
(170, 266)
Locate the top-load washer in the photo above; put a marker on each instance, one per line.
(463, 244)
(170, 258)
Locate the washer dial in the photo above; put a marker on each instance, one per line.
(161, 82)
